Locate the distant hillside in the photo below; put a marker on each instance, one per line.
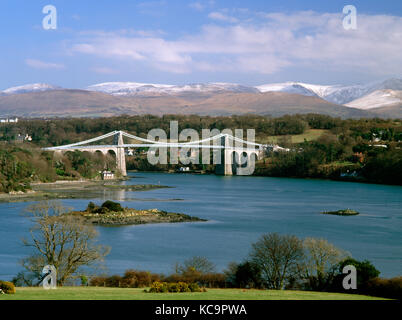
(62, 103)
(377, 99)
(272, 103)
(392, 112)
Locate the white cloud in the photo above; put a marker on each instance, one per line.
(222, 17)
(202, 5)
(197, 6)
(265, 44)
(37, 64)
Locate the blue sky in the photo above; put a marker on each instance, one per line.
(177, 42)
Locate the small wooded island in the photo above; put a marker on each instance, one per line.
(344, 212)
(113, 214)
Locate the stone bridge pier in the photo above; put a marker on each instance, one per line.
(120, 154)
(118, 151)
(236, 161)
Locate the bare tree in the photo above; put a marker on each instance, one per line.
(320, 263)
(62, 240)
(278, 257)
(195, 264)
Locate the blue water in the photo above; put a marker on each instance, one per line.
(239, 210)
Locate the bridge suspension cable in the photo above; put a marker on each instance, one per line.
(110, 134)
(153, 143)
(246, 142)
(170, 143)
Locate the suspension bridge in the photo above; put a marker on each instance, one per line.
(235, 157)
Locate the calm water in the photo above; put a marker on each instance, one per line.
(239, 210)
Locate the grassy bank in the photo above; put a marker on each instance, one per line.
(98, 293)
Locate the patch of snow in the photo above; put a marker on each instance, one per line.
(377, 99)
(134, 88)
(36, 87)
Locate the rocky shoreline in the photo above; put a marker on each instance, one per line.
(134, 217)
(345, 212)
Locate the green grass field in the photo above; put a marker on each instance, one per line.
(309, 135)
(97, 293)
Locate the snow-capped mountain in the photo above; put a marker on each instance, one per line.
(337, 93)
(369, 96)
(36, 87)
(128, 88)
(347, 94)
(135, 88)
(377, 99)
(289, 87)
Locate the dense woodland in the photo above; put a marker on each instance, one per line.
(367, 150)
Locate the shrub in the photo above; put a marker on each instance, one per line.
(387, 288)
(194, 287)
(189, 278)
(112, 206)
(210, 280)
(247, 275)
(84, 280)
(131, 279)
(91, 207)
(100, 210)
(114, 281)
(365, 271)
(173, 287)
(138, 279)
(7, 287)
(160, 287)
(98, 282)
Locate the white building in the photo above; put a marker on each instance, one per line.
(130, 152)
(107, 175)
(9, 120)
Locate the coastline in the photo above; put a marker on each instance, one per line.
(73, 189)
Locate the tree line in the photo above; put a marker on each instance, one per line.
(21, 165)
(367, 150)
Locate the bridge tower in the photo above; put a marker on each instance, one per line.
(120, 153)
(236, 160)
(225, 166)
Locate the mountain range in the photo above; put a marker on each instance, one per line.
(381, 99)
